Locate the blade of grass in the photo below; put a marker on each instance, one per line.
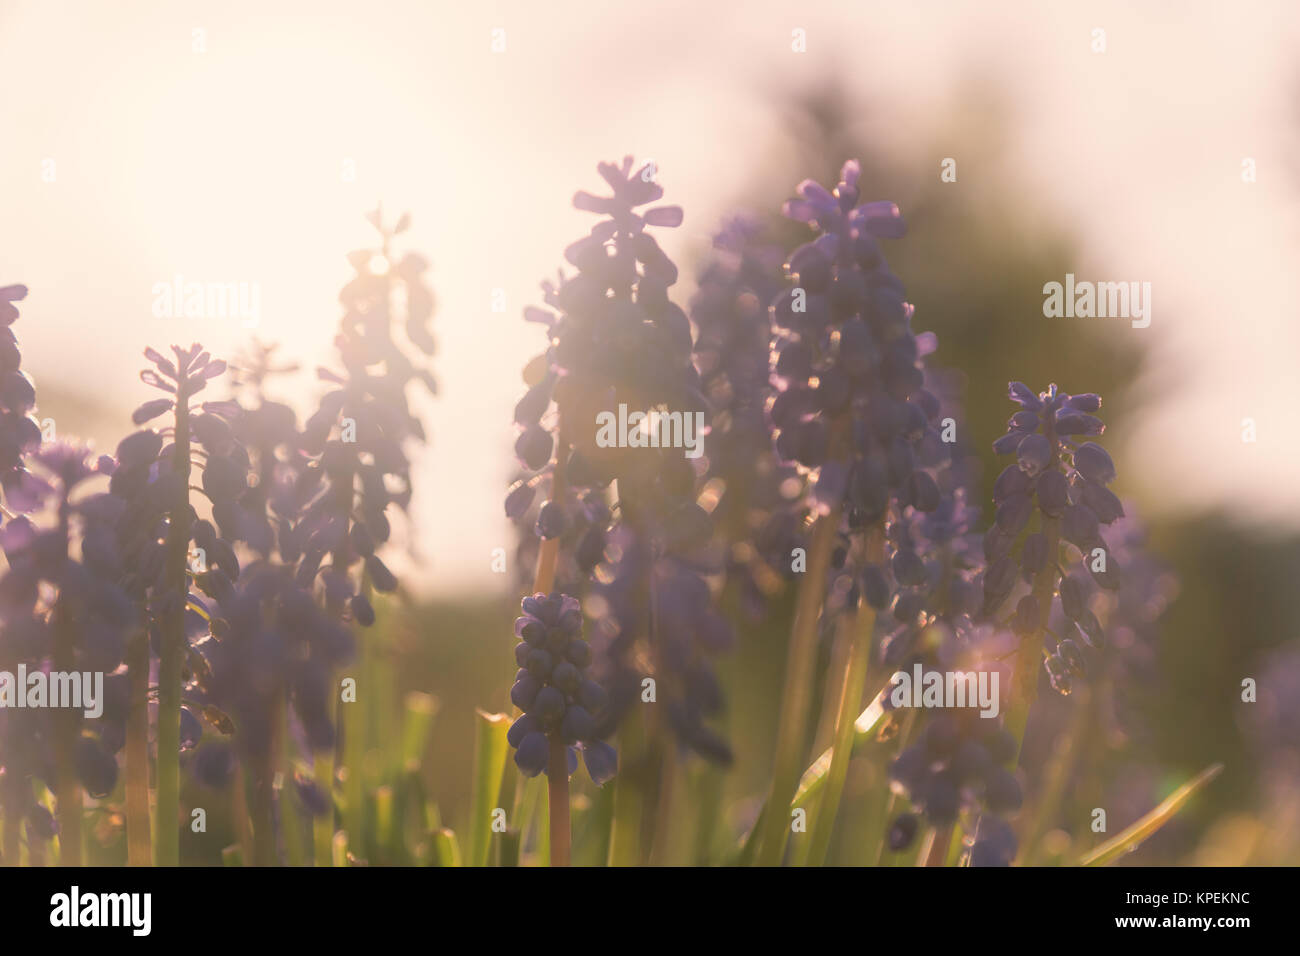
(139, 846)
(508, 849)
(1132, 837)
(66, 735)
(865, 729)
(629, 801)
(860, 627)
(292, 823)
(385, 822)
(323, 825)
(593, 848)
(446, 851)
(1055, 777)
(489, 764)
(417, 728)
(800, 660)
(352, 718)
(339, 849)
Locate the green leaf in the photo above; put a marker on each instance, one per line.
(1133, 837)
(417, 727)
(489, 765)
(446, 851)
(508, 849)
(385, 818)
(865, 729)
(339, 849)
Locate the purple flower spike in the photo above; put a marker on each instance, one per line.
(1068, 482)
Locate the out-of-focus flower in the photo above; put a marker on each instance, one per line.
(1065, 477)
(641, 555)
(756, 493)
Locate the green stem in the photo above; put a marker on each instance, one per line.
(139, 851)
(264, 850)
(323, 825)
(1055, 778)
(669, 779)
(67, 730)
(557, 787)
(282, 767)
(862, 626)
(172, 653)
(629, 798)
(490, 753)
(353, 728)
(795, 695)
(243, 828)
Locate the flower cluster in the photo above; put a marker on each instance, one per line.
(852, 407)
(314, 512)
(275, 643)
(756, 492)
(875, 428)
(65, 614)
(860, 412)
(62, 608)
(19, 432)
(551, 687)
(1065, 477)
(616, 338)
(958, 762)
(357, 436)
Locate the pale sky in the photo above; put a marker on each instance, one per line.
(224, 164)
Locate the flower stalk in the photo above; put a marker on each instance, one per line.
(861, 628)
(795, 695)
(138, 842)
(171, 658)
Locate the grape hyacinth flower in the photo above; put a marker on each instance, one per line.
(628, 517)
(271, 670)
(561, 706)
(360, 430)
(957, 766)
(57, 612)
(148, 467)
(853, 413)
(756, 492)
(559, 701)
(1061, 476)
(19, 433)
(274, 658)
(352, 464)
(23, 753)
(68, 616)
